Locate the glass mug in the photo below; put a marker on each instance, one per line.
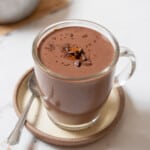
(74, 103)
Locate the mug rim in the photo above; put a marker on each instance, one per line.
(81, 23)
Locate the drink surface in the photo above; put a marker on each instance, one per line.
(75, 51)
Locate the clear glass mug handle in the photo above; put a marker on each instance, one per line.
(125, 73)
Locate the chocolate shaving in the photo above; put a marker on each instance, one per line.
(66, 49)
(78, 54)
(77, 63)
(83, 57)
(69, 54)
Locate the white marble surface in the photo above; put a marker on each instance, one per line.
(129, 20)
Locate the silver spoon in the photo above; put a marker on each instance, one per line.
(14, 137)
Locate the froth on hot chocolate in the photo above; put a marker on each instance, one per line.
(75, 51)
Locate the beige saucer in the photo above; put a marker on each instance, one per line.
(42, 127)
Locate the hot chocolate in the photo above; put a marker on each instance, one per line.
(74, 52)
(75, 61)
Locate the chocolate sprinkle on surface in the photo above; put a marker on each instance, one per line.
(50, 47)
(71, 35)
(94, 41)
(54, 38)
(78, 56)
(89, 44)
(77, 63)
(84, 36)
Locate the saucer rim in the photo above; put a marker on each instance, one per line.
(50, 139)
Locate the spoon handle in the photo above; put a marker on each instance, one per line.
(14, 137)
